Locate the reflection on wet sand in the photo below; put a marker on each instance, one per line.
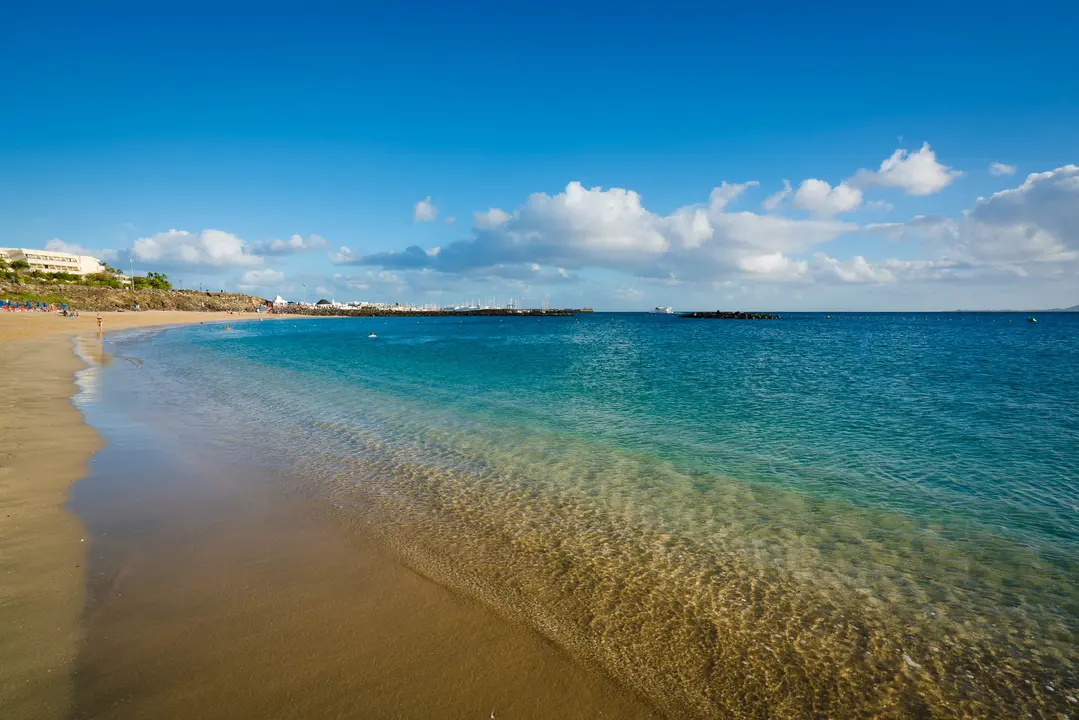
(213, 596)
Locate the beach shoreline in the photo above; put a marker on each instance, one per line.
(101, 622)
(44, 450)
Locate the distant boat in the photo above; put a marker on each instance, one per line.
(1032, 320)
(659, 310)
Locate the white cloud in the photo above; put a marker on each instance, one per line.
(294, 244)
(727, 193)
(772, 202)
(999, 168)
(1030, 228)
(106, 254)
(855, 270)
(492, 218)
(263, 277)
(424, 211)
(211, 248)
(611, 229)
(859, 270)
(343, 256)
(58, 245)
(916, 173)
(774, 266)
(1025, 231)
(880, 205)
(822, 200)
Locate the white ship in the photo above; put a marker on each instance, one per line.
(663, 310)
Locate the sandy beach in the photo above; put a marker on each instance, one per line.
(44, 447)
(232, 601)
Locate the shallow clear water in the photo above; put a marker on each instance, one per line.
(848, 515)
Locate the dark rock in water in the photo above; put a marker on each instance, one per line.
(737, 315)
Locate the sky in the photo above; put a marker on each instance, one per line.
(801, 156)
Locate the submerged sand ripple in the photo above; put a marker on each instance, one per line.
(708, 629)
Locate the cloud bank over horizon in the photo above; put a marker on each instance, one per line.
(604, 246)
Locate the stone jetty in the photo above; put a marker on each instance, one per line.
(391, 312)
(724, 315)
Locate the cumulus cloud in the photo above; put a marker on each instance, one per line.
(916, 173)
(775, 266)
(400, 285)
(1020, 230)
(549, 238)
(823, 200)
(210, 248)
(859, 270)
(490, 219)
(999, 168)
(727, 193)
(344, 256)
(611, 229)
(294, 244)
(424, 211)
(263, 277)
(774, 201)
(58, 245)
(412, 257)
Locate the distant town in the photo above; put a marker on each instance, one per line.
(49, 279)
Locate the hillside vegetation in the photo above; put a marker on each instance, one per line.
(96, 297)
(111, 290)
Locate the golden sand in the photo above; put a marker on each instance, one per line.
(44, 446)
(239, 603)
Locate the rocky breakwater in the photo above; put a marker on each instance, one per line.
(391, 312)
(737, 315)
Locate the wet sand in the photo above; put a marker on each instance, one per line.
(44, 446)
(211, 593)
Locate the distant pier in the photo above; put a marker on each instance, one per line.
(737, 315)
(391, 312)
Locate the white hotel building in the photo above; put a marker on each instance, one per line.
(51, 261)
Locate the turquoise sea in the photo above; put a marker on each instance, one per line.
(872, 515)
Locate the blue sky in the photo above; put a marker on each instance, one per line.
(235, 126)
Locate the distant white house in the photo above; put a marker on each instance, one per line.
(51, 261)
(279, 301)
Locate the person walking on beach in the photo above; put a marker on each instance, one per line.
(100, 328)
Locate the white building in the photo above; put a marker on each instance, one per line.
(51, 261)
